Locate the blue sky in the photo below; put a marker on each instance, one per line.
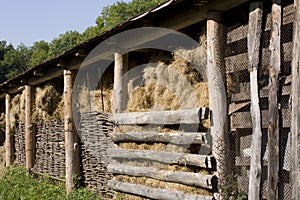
(33, 20)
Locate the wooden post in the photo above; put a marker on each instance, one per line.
(119, 98)
(29, 132)
(295, 124)
(71, 147)
(216, 41)
(273, 128)
(254, 38)
(9, 147)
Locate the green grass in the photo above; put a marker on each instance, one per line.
(15, 184)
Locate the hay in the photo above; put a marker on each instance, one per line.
(2, 123)
(178, 85)
(154, 147)
(17, 113)
(48, 104)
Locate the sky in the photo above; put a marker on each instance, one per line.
(34, 20)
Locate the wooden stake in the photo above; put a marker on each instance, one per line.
(295, 124)
(273, 128)
(29, 132)
(217, 93)
(119, 98)
(254, 37)
(9, 147)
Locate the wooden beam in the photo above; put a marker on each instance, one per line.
(120, 96)
(273, 128)
(217, 94)
(295, 124)
(9, 146)
(29, 132)
(190, 116)
(154, 193)
(254, 38)
(185, 178)
(150, 137)
(163, 157)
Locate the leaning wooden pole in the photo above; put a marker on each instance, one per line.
(119, 98)
(217, 93)
(295, 124)
(9, 148)
(29, 132)
(254, 38)
(70, 135)
(273, 128)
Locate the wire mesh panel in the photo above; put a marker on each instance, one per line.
(19, 138)
(238, 88)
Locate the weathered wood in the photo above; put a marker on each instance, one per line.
(273, 129)
(163, 157)
(254, 37)
(154, 193)
(151, 137)
(29, 132)
(186, 178)
(120, 96)
(9, 147)
(216, 38)
(295, 124)
(191, 116)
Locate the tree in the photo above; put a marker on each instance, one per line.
(39, 53)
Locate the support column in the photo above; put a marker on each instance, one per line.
(29, 132)
(120, 96)
(295, 124)
(71, 145)
(9, 147)
(216, 40)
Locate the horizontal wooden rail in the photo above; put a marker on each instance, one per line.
(191, 116)
(163, 157)
(207, 181)
(152, 137)
(154, 193)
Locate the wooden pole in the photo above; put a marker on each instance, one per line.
(295, 124)
(254, 37)
(9, 147)
(216, 41)
(273, 128)
(29, 132)
(119, 99)
(71, 147)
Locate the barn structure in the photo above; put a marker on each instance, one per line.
(167, 119)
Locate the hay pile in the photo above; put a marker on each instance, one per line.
(17, 113)
(2, 123)
(48, 104)
(179, 85)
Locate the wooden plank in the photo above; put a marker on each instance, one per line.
(216, 38)
(191, 116)
(254, 38)
(119, 96)
(9, 147)
(150, 137)
(154, 193)
(243, 119)
(273, 125)
(186, 178)
(29, 132)
(163, 157)
(295, 124)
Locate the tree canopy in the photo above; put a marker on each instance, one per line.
(14, 60)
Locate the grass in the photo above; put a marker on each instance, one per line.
(16, 184)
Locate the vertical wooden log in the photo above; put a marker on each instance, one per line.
(295, 124)
(71, 147)
(273, 128)
(217, 93)
(119, 98)
(9, 147)
(29, 132)
(254, 38)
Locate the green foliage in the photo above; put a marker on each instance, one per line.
(39, 53)
(231, 190)
(16, 184)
